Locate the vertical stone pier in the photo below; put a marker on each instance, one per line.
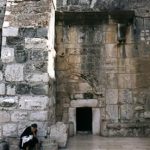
(27, 74)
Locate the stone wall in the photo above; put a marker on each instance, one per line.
(2, 13)
(141, 7)
(27, 70)
(93, 64)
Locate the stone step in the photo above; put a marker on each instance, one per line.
(49, 147)
(45, 144)
(49, 144)
(4, 145)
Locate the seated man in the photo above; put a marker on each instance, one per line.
(28, 139)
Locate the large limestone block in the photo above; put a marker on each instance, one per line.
(59, 133)
(84, 103)
(43, 77)
(18, 116)
(124, 81)
(84, 87)
(126, 112)
(112, 113)
(110, 37)
(2, 89)
(4, 117)
(14, 72)
(34, 102)
(112, 80)
(36, 43)
(147, 114)
(111, 65)
(38, 115)
(111, 96)
(4, 145)
(8, 102)
(48, 144)
(7, 54)
(1, 76)
(10, 129)
(2, 3)
(10, 31)
(111, 51)
(125, 96)
(11, 90)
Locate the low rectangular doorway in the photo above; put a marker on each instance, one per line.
(84, 119)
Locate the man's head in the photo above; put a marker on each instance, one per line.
(34, 127)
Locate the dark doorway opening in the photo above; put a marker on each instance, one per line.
(84, 119)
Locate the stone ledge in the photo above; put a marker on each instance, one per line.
(129, 125)
(93, 17)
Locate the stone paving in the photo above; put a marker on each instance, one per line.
(89, 142)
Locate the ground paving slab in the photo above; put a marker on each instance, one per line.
(89, 142)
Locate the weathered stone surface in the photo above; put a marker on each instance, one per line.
(14, 72)
(2, 3)
(126, 112)
(10, 31)
(43, 77)
(21, 56)
(125, 96)
(23, 89)
(8, 102)
(35, 43)
(1, 76)
(25, 40)
(139, 108)
(125, 81)
(39, 55)
(111, 65)
(78, 96)
(27, 32)
(40, 89)
(11, 41)
(4, 117)
(49, 144)
(10, 130)
(38, 66)
(147, 115)
(11, 90)
(34, 102)
(112, 81)
(59, 133)
(42, 128)
(18, 116)
(4, 145)
(38, 116)
(112, 113)
(7, 54)
(111, 96)
(42, 32)
(84, 103)
(84, 87)
(2, 88)
(111, 38)
(33, 32)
